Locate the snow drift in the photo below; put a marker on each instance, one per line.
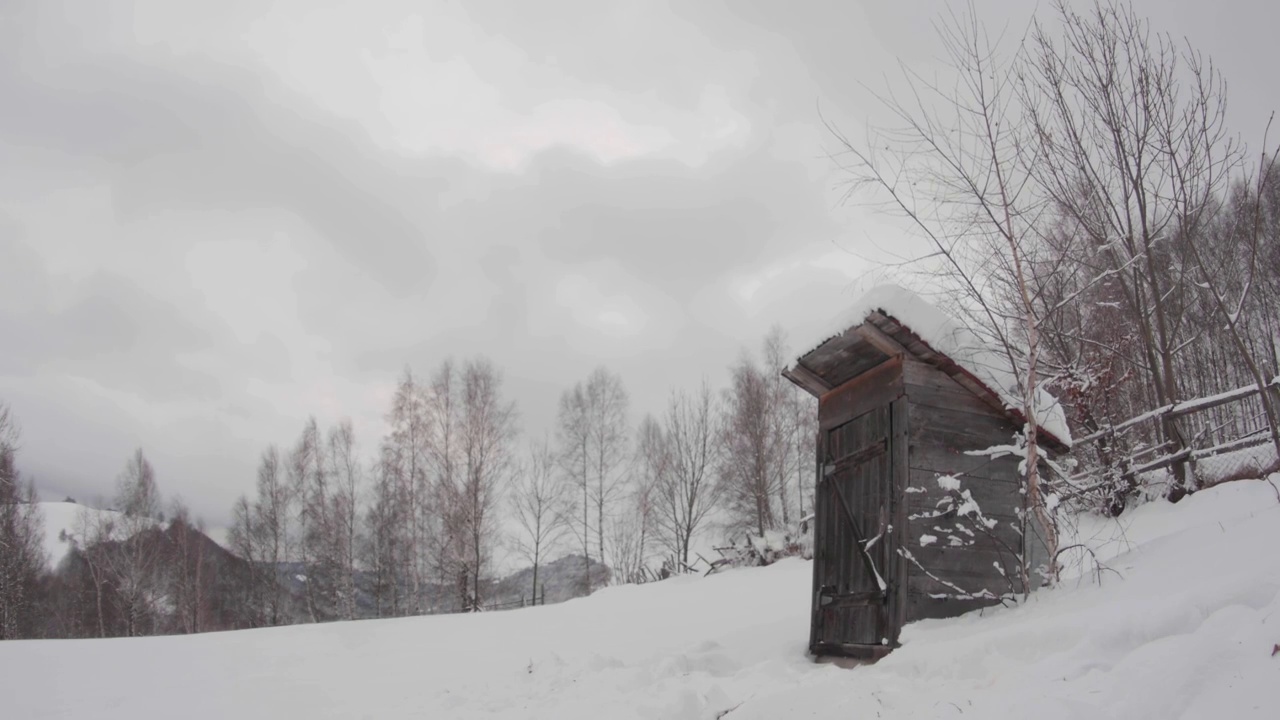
(1181, 626)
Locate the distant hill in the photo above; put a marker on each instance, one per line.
(191, 585)
(561, 580)
(61, 521)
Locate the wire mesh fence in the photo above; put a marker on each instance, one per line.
(539, 598)
(1185, 446)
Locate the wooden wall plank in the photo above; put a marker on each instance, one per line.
(922, 607)
(972, 584)
(948, 420)
(994, 496)
(873, 389)
(949, 396)
(987, 428)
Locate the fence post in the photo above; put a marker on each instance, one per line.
(1182, 484)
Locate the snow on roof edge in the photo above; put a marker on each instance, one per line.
(950, 337)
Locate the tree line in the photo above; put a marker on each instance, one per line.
(415, 525)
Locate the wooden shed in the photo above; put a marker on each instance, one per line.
(915, 516)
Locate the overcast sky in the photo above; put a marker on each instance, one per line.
(218, 218)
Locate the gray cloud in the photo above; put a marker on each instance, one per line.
(207, 136)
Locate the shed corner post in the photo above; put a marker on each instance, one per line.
(819, 462)
(900, 417)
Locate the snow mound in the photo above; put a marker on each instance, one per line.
(1181, 626)
(949, 336)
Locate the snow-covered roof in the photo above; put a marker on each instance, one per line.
(948, 336)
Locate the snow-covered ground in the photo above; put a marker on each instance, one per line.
(1184, 628)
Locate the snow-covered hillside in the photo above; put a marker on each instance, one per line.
(64, 517)
(1185, 631)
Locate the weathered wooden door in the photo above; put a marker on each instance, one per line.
(853, 537)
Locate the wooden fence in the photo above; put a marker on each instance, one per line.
(539, 598)
(1215, 438)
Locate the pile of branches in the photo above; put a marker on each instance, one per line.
(761, 550)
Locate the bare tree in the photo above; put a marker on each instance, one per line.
(269, 532)
(488, 433)
(958, 168)
(749, 471)
(310, 479)
(187, 570)
(592, 438)
(1075, 177)
(573, 449)
(448, 466)
(538, 504)
(593, 450)
(630, 534)
(22, 557)
(134, 564)
(683, 456)
(607, 432)
(344, 514)
(803, 431)
(780, 416)
(405, 456)
(1130, 143)
(243, 540)
(386, 538)
(1241, 270)
(92, 532)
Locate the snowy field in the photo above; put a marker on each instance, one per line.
(1185, 630)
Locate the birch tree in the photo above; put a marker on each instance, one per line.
(188, 570)
(608, 435)
(749, 472)
(386, 538)
(538, 505)
(445, 446)
(683, 457)
(133, 563)
(780, 417)
(344, 514)
(310, 478)
(243, 542)
(405, 454)
(592, 434)
(573, 441)
(489, 430)
(262, 535)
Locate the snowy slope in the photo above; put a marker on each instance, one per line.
(60, 517)
(1187, 632)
